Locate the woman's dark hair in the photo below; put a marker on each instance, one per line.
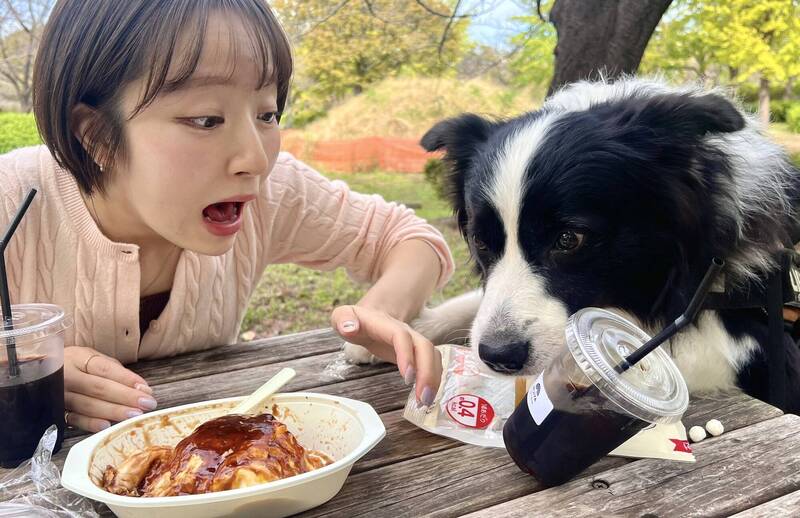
(92, 49)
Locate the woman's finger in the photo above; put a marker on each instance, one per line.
(373, 330)
(97, 408)
(404, 353)
(90, 361)
(109, 390)
(112, 369)
(90, 424)
(345, 321)
(429, 369)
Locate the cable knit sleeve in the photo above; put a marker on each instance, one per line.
(322, 224)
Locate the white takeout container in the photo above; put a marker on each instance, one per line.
(342, 428)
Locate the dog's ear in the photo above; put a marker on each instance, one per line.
(688, 115)
(460, 138)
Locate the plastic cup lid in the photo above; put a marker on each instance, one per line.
(34, 322)
(652, 390)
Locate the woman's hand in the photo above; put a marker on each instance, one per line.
(393, 340)
(98, 390)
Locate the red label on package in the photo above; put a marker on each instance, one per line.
(470, 410)
(681, 445)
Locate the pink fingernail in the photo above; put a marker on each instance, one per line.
(348, 326)
(147, 403)
(133, 413)
(103, 425)
(411, 375)
(143, 388)
(427, 396)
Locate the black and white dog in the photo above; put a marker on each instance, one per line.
(617, 195)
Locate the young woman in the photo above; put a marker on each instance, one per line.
(163, 196)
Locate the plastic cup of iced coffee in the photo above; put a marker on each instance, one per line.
(32, 395)
(582, 406)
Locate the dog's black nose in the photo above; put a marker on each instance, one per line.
(504, 357)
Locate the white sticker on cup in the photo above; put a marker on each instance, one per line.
(539, 404)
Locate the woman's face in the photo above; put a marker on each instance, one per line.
(196, 156)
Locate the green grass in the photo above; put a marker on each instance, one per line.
(290, 298)
(17, 130)
(402, 187)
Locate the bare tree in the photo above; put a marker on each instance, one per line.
(21, 25)
(601, 36)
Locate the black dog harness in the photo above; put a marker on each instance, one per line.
(778, 296)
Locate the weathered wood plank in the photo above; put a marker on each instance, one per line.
(369, 492)
(735, 471)
(787, 505)
(233, 357)
(468, 492)
(311, 373)
(734, 409)
(403, 441)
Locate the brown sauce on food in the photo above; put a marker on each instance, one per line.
(228, 452)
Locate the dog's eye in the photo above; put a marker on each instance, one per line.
(569, 241)
(479, 245)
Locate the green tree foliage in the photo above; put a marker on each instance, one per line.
(342, 47)
(729, 41)
(793, 118)
(532, 63)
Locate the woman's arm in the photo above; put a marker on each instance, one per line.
(311, 221)
(407, 278)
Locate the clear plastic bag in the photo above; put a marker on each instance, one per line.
(37, 484)
(472, 407)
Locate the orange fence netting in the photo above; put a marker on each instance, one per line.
(364, 154)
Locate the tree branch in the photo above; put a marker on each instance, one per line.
(445, 15)
(16, 16)
(539, 11)
(330, 15)
(372, 11)
(443, 40)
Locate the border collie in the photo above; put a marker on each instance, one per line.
(617, 195)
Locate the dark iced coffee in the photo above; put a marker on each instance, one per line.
(581, 408)
(29, 404)
(32, 395)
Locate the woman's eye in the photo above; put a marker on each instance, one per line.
(206, 122)
(569, 241)
(270, 117)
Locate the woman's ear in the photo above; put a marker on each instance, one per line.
(87, 126)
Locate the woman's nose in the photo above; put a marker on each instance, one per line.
(250, 151)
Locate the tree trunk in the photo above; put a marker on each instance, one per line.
(25, 104)
(788, 89)
(763, 101)
(605, 37)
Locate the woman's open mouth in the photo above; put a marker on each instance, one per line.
(224, 218)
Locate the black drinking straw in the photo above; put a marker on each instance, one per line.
(682, 321)
(8, 323)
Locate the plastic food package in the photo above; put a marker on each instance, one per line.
(472, 406)
(38, 486)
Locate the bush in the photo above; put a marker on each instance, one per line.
(434, 172)
(17, 130)
(793, 117)
(777, 108)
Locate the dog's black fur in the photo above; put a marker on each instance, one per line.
(626, 193)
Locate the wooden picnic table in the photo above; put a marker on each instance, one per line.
(752, 469)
